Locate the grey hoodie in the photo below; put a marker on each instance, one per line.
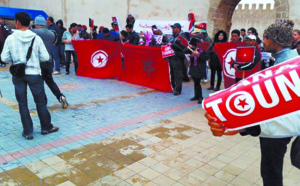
(16, 47)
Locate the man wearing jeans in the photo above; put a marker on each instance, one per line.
(48, 38)
(55, 47)
(15, 50)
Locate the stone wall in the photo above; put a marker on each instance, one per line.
(217, 13)
(258, 18)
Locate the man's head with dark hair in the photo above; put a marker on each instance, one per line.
(243, 32)
(252, 31)
(23, 18)
(105, 31)
(114, 25)
(73, 27)
(235, 36)
(129, 27)
(124, 33)
(50, 20)
(154, 27)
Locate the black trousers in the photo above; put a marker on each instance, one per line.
(176, 73)
(47, 70)
(272, 157)
(68, 60)
(212, 77)
(197, 87)
(184, 72)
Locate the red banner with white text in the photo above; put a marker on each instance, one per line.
(98, 58)
(264, 96)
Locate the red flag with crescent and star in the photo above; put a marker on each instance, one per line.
(270, 95)
(145, 66)
(98, 58)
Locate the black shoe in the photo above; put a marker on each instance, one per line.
(176, 93)
(210, 88)
(54, 129)
(217, 89)
(194, 98)
(67, 73)
(28, 137)
(200, 100)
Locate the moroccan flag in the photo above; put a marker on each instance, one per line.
(145, 66)
(227, 55)
(98, 58)
(272, 94)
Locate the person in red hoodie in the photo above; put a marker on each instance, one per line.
(192, 20)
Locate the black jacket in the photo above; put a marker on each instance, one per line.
(62, 28)
(130, 21)
(179, 53)
(57, 32)
(214, 61)
(5, 30)
(133, 38)
(198, 69)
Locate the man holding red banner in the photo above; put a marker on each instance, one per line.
(242, 70)
(176, 61)
(276, 133)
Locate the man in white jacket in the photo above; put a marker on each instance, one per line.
(15, 51)
(276, 134)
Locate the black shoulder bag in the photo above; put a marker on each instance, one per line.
(19, 69)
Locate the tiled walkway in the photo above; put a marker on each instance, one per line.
(116, 133)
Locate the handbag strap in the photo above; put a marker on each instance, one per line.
(29, 50)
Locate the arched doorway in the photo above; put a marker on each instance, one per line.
(221, 11)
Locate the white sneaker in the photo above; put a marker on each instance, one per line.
(56, 73)
(63, 101)
(205, 80)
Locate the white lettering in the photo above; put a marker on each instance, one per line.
(282, 68)
(216, 109)
(243, 82)
(256, 77)
(261, 98)
(283, 82)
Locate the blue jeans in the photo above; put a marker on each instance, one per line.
(36, 85)
(62, 54)
(55, 52)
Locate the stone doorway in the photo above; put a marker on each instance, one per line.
(221, 11)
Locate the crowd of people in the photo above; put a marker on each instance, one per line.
(51, 44)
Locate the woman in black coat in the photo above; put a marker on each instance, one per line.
(198, 72)
(214, 62)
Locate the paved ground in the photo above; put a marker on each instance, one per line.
(116, 133)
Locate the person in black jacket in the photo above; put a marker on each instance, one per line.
(4, 32)
(55, 48)
(175, 62)
(214, 61)
(198, 71)
(130, 20)
(62, 57)
(132, 37)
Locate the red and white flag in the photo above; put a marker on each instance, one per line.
(145, 66)
(227, 55)
(98, 58)
(264, 96)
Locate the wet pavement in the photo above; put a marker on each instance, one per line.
(115, 133)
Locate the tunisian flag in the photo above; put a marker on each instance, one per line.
(145, 66)
(227, 55)
(268, 95)
(98, 58)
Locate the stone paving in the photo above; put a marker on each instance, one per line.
(115, 133)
